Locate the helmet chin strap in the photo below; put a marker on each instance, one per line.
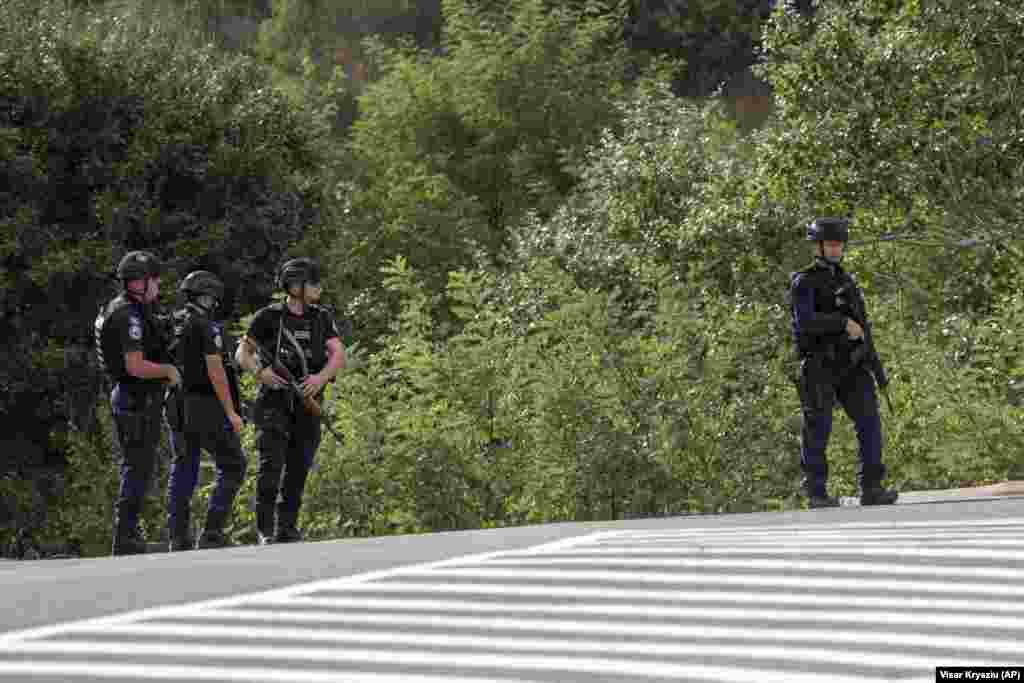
(203, 300)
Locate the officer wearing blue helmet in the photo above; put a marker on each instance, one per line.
(831, 345)
(204, 415)
(132, 349)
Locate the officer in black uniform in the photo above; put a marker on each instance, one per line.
(302, 338)
(204, 415)
(132, 350)
(827, 339)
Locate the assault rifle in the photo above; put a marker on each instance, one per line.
(309, 403)
(850, 304)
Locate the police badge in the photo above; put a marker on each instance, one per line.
(135, 328)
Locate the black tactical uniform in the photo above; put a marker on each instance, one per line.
(197, 418)
(834, 369)
(287, 436)
(126, 325)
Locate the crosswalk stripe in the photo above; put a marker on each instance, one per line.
(835, 567)
(812, 610)
(816, 528)
(850, 548)
(88, 667)
(761, 542)
(570, 575)
(721, 674)
(640, 596)
(489, 660)
(312, 633)
(877, 618)
(965, 541)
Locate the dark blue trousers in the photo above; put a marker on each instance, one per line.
(205, 427)
(822, 386)
(137, 419)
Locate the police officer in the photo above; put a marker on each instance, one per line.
(827, 338)
(205, 414)
(300, 339)
(132, 349)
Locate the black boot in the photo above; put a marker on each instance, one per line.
(825, 501)
(213, 534)
(875, 494)
(213, 539)
(265, 523)
(286, 531)
(180, 543)
(180, 533)
(128, 542)
(817, 496)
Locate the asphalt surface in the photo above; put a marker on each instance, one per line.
(849, 594)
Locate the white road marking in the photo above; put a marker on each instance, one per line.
(816, 616)
(852, 547)
(489, 660)
(807, 582)
(722, 674)
(817, 528)
(590, 559)
(87, 667)
(315, 633)
(772, 599)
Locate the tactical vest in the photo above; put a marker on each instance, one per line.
(318, 334)
(181, 321)
(109, 351)
(825, 285)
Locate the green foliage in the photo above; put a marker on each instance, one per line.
(451, 151)
(573, 414)
(906, 115)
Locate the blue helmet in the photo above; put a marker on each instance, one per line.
(831, 229)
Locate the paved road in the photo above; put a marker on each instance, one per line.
(847, 595)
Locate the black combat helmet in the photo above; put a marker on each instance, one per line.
(830, 229)
(298, 271)
(202, 283)
(138, 265)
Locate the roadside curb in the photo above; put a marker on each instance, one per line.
(999, 490)
(1005, 488)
